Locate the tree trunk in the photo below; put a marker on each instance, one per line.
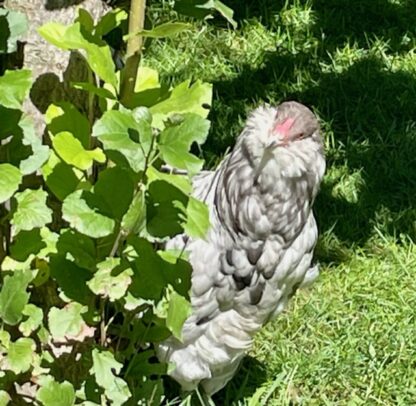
(52, 68)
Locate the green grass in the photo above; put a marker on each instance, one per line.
(351, 338)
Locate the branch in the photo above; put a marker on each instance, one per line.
(134, 49)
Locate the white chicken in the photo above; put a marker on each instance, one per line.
(259, 247)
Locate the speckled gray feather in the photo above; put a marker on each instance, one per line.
(259, 248)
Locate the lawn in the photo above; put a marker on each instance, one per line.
(351, 338)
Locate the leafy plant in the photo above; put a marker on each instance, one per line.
(86, 293)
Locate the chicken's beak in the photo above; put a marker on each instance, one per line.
(280, 133)
(277, 141)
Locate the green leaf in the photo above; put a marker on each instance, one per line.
(9, 264)
(185, 98)
(134, 219)
(14, 87)
(16, 26)
(197, 219)
(4, 398)
(114, 190)
(84, 219)
(50, 239)
(120, 131)
(26, 243)
(10, 178)
(176, 141)
(4, 33)
(5, 338)
(72, 152)
(67, 323)
(78, 246)
(60, 177)
(179, 311)
(204, 8)
(65, 116)
(34, 320)
(71, 278)
(98, 56)
(164, 215)
(9, 122)
(179, 181)
(43, 272)
(152, 274)
(162, 30)
(20, 355)
(14, 151)
(225, 11)
(105, 284)
(98, 91)
(148, 279)
(104, 368)
(13, 296)
(40, 152)
(143, 363)
(32, 210)
(147, 79)
(53, 393)
(86, 20)
(110, 21)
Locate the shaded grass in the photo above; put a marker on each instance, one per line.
(350, 338)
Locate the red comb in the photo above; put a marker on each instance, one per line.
(283, 128)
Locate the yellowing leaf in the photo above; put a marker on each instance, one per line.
(104, 368)
(105, 284)
(34, 320)
(147, 78)
(10, 178)
(67, 323)
(20, 355)
(52, 393)
(32, 210)
(72, 152)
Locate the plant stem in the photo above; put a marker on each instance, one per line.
(91, 100)
(134, 49)
(122, 234)
(4, 230)
(114, 249)
(103, 336)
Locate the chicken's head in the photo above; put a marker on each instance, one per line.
(290, 125)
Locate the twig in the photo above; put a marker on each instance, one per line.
(116, 243)
(103, 335)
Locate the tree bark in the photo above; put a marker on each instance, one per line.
(52, 68)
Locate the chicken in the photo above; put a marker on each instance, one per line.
(259, 248)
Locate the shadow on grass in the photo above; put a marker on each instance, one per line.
(340, 20)
(250, 376)
(369, 107)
